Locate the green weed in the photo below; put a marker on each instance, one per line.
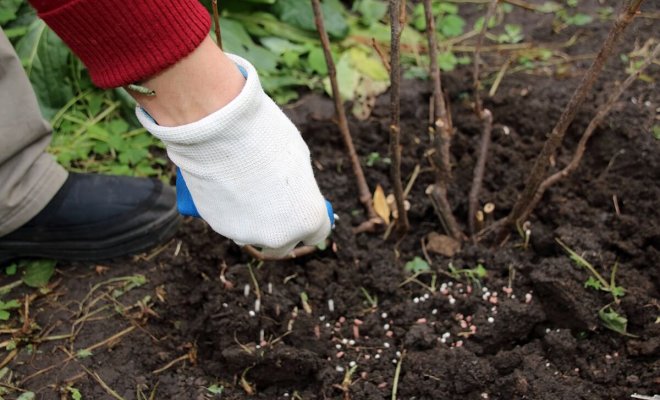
(372, 300)
(596, 280)
(474, 275)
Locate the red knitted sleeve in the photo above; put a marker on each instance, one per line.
(123, 42)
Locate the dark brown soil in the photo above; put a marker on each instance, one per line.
(545, 341)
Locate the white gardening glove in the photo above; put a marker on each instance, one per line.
(249, 171)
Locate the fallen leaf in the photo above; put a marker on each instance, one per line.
(380, 204)
(442, 244)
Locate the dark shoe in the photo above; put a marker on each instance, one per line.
(96, 217)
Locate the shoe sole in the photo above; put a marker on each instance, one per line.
(133, 242)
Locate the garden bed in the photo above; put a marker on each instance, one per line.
(528, 329)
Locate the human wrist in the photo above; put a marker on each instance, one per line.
(196, 86)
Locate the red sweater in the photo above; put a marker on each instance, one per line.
(123, 42)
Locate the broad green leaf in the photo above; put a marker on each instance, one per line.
(367, 65)
(418, 17)
(447, 61)
(417, 265)
(299, 14)
(9, 305)
(4, 315)
(46, 61)
(11, 269)
(316, 61)
(447, 8)
(8, 10)
(236, 40)
(280, 46)
(133, 156)
(117, 126)
(451, 25)
(613, 320)
(37, 273)
(264, 24)
(348, 78)
(371, 11)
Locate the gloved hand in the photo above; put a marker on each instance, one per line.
(248, 171)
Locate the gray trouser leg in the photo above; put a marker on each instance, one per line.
(29, 177)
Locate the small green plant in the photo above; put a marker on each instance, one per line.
(374, 158)
(84, 353)
(613, 320)
(416, 268)
(215, 389)
(75, 393)
(372, 300)
(474, 275)
(566, 18)
(609, 317)
(656, 132)
(596, 280)
(417, 265)
(448, 22)
(6, 307)
(512, 34)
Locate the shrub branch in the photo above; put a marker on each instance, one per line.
(593, 124)
(363, 188)
(487, 119)
(395, 113)
(522, 207)
(442, 129)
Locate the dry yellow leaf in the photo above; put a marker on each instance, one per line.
(380, 204)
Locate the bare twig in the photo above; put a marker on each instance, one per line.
(171, 364)
(71, 356)
(480, 168)
(521, 209)
(582, 144)
(487, 118)
(363, 188)
(395, 114)
(442, 126)
(383, 59)
(216, 22)
(477, 59)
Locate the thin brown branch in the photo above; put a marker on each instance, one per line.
(383, 59)
(487, 118)
(477, 58)
(480, 168)
(216, 23)
(171, 364)
(395, 113)
(438, 196)
(363, 188)
(442, 127)
(520, 210)
(593, 124)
